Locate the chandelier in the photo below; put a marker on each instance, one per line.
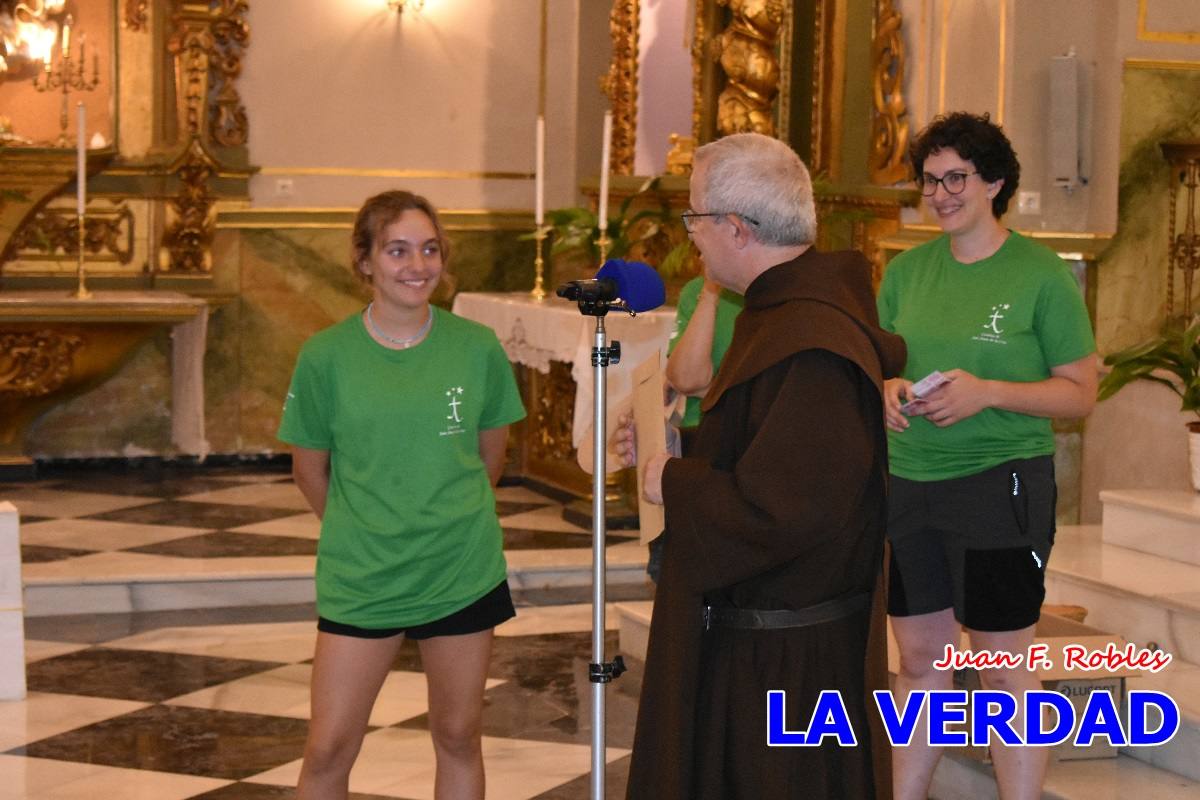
(28, 31)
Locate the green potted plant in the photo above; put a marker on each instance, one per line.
(1172, 359)
(653, 233)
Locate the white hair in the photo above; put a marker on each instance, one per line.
(761, 179)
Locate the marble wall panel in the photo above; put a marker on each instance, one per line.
(276, 288)
(1137, 438)
(129, 415)
(1158, 105)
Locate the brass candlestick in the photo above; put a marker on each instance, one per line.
(603, 243)
(67, 74)
(81, 290)
(538, 292)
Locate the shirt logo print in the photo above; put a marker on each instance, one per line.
(992, 332)
(454, 418)
(996, 317)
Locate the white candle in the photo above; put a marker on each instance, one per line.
(540, 173)
(606, 146)
(81, 162)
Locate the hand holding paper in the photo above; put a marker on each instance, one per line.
(922, 389)
(650, 450)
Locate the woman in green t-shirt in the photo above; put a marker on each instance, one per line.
(704, 320)
(971, 505)
(397, 417)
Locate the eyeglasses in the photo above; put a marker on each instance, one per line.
(688, 216)
(953, 182)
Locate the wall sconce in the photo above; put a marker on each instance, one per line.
(28, 30)
(399, 5)
(1183, 253)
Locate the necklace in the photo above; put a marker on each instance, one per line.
(403, 344)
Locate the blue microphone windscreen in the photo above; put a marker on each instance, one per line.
(638, 284)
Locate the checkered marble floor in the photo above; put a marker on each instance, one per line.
(169, 529)
(213, 702)
(211, 705)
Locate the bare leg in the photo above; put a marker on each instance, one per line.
(347, 673)
(922, 640)
(1020, 771)
(456, 669)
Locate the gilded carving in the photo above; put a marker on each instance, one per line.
(748, 58)
(54, 231)
(889, 114)
(553, 414)
(681, 155)
(699, 37)
(136, 16)
(191, 216)
(35, 363)
(231, 33)
(1183, 247)
(620, 84)
(207, 44)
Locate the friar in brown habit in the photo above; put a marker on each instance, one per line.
(774, 524)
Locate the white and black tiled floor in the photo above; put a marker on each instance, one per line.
(213, 702)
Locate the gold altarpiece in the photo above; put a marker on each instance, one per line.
(175, 150)
(794, 69)
(826, 76)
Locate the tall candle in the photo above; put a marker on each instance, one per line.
(66, 38)
(81, 162)
(604, 161)
(540, 173)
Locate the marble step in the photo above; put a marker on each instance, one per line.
(633, 625)
(1148, 599)
(961, 778)
(1159, 522)
(123, 582)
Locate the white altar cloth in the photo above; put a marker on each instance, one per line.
(535, 333)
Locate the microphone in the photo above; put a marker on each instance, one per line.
(634, 283)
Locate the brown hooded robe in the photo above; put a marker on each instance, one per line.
(781, 507)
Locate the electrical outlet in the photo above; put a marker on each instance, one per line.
(1029, 202)
(284, 187)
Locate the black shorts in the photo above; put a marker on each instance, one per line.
(978, 544)
(487, 612)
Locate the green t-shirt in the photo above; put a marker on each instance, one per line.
(1010, 317)
(410, 533)
(729, 305)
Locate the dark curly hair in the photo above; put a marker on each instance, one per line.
(976, 139)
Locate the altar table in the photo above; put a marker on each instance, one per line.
(535, 333)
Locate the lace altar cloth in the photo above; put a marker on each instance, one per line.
(535, 333)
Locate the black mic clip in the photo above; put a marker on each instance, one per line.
(595, 296)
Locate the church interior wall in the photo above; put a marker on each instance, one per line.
(346, 99)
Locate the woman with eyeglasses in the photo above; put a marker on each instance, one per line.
(972, 502)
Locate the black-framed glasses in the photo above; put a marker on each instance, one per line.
(952, 182)
(688, 216)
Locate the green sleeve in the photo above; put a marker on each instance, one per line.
(886, 300)
(504, 405)
(306, 410)
(689, 297)
(1061, 319)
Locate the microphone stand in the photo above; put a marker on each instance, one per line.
(600, 672)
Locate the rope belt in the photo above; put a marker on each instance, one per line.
(749, 618)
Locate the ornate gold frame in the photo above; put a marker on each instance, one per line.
(742, 59)
(621, 83)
